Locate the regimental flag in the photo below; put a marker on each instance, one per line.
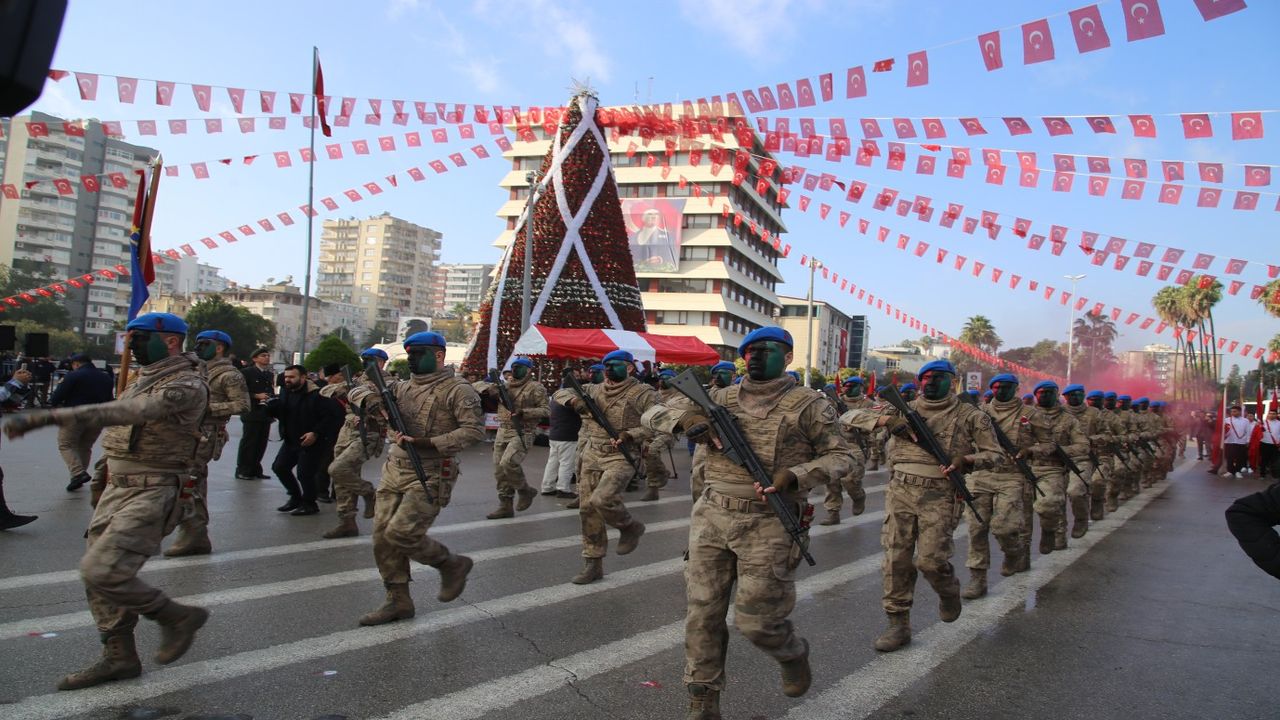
(142, 265)
(322, 100)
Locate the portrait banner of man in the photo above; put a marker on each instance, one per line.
(654, 233)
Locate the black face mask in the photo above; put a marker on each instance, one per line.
(1005, 391)
(1075, 398)
(616, 370)
(1125, 404)
(1047, 398)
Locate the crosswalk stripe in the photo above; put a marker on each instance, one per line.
(865, 691)
(184, 677)
(66, 576)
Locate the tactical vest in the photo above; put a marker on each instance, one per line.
(214, 377)
(776, 438)
(427, 410)
(159, 442)
(948, 427)
(620, 411)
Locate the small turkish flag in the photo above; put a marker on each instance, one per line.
(146, 127)
(1246, 126)
(237, 99)
(38, 129)
(972, 126)
(1257, 175)
(118, 180)
(200, 170)
(1132, 190)
(933, 128)
(212, 126)
(995, 174)
(925, 164)
(1235, 267)
(1245, 200)
(88, 84)
(1209, 197)
(786, 99)
(1135, 168)
(1101, 124)
(918, 69)
(164, 92)
(226, 234)
(90, 182)
(177, 127)
(373, 188)
(1017, 126)
(1173, 170)
(1144, 267)
(72, 128)
(283, 159)
(855, 83)
(126, 89)
(1090, 33)
(334, 150)
(202, 95)
(329, 203)
(1202, 261)
(989, 45)
(1143, 126)
(63, 186)
(209, 242)
(883, 65)
(1184, 276)
(1057, 126)
(1121, 262)
(186, 248)
(361, 147)
(1142, 19)
(386, 143)
(295, 102)
(1037, 42)
(285, 218)
(1064, 163)
(1213, 9)
(904, 128)
(10, 191)
(246, 230)
(353, 195)
(438, 166)
(1029, 178)
(1211, 172)
(277, 122)
(1062, 181)
(766, 98)
(1170, 194)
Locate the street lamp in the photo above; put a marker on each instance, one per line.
(1071, 325)
(814, 264)
(526, 299)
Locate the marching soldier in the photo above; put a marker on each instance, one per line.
(515, 433)
(998, 494)
(1122, 470)
(228, 395)
(723, 374)
(602, 469)
(858, 442)
(921, 509)
(1104, 446)
(1138, 455)
(655, 467)
(734, 536)
(359, 439)
(1048, 426)
(151, 438)
(442, 416)
(1084, 500)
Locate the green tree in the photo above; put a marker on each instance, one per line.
(1234, 382)
(380, 333)
(460, 310)
(399, 367)
(331, 351)
(247, 330)
(344, 334)
(1270, 298)
(24, 277)
(1047, 356)
(1094, 335)
(979, 332)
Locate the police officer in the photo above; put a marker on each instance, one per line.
(151, 436)
(1048, 426)
(515, 433)
(602, 469)
(442, 416)
(256, 430)
(734, 536)
(359, 439)
(228, 395)
(997, 493)
(921, 509)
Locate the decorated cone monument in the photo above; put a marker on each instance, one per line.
(582, 272)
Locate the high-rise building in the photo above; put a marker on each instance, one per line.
(71, 234)
(464, 285)
(383, 265)
(833, 333)
(281, 303)
(699, 273)
(188, 276)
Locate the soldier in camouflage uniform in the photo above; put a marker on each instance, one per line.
(442, 416)
(1082, 497)
(1103, 442)
(921, 509)
(359, 439)
(1168, 435)
(851, 483)
(1138, 455)
(602, 469)
(998, 494)
(1048, 425)
(528, 408)
(1125, 454)
(734, 536)
(228, 395)
(152, 432)
(655, 465)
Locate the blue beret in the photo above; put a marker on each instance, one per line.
(852, 380)
(522, 361)
(972, 392)
(936, 366)
(1004, 377)
(906, 386)
(1110, 395)
(374, 352)
(795, 374)
(158, 322)
(1125, 397)
(771, 332)
(424, 339)
(1043, 384)
(667, 374)
(1157, 403)
(724, 365)
(1094, 393)
(1141, 400)
(1073, 387)
(1028, 396)
(597, 366)
(987, 394)
(216, 335)
(622, 355)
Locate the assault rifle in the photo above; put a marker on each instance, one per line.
(598, 415)
(739, 451)
(1012, 451)
(929, 442)
(1070, 464)
(504, 397)
(396, 421)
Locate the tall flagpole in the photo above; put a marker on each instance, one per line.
(311, 189)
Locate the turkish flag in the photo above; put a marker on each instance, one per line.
(925, 164)
(1013, 281)
(1101, 124)
(1144, 267)
(921, 249)
(353, 195)
(164, 92)
(1062, 181)
(1164, 272)
(1196, 125)
(1211, 172)
(203, 95)
(1171, 255)
(118, 180)
(237, 99)
(200, 170)
(283, 159)
(63, 186)
(989, 46)
(1142, 19)
(438, 166)
(1257, 175)
(881, 233)
(1235, 288)
(1184, 276)
(1099, 165)
(995, 174)
(1132, 190)
(904, 128)
(969, 225)
(1057, 126)
(1090, 33)
(334, 150)
(1121, 262)
(1213, 9)
(1017, 126)
(897, 156)
(72, 128)
(177, 127)
(1235, 267)
(246, 124)
(855, 84)
(246, 230)
(361, 147)
(1202, 261)
(1143, 126)
(88, 84)
(90, 182)
(1135, 168)
(1037, 42)
(1245, 200)
(1209, 197)
(1246, 126)
(918, 69)
(285, 218)
(146, 127)
(972, 126)
(126, 89)
(1029, 178)
(10, 191)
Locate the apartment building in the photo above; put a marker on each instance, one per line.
(833, 334)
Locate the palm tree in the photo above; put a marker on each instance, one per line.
(1171, 311)
(1094, 335)
(979, 332)
(1202, 294)
(1270, 297)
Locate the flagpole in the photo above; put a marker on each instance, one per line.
(148, 211)
(311, 189)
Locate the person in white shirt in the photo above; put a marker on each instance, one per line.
(1270, 448)
(1236, 431)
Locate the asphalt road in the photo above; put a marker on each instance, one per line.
(1154, 614)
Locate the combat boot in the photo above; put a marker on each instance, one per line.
(592, 570)
(858, 503)
(977, 586)
(505, 510)
(119, 661)
(1023, 560)
(178, 626)
(650, 494)
(398, 606)
(1060, 539)
(346, 528)
(527, 494)
(949, 607)
(1046, 540)
(796, 675)
(1010, 565)
(453, 577)
(704, 703)
(832, 518)
(1095, 511)
(185, 546)
(575, 504)
(370, 505)
(630, 536)
(874, 466)
(1111, 505)
(897, 635)
(1080, 516)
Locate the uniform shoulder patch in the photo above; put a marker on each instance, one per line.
(829, 414)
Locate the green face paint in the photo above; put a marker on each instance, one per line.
(519, 372)
(206, 350)
(936, 385)
(147, 347)
(616, 370)
(1075, 398)
(1109, 403)
(908, 395)
(723, 378)
(853, 391)
(1005, 391)
(422, 360)
(1095, 401)
(1047, 397)
(766, 360)
(597, 377)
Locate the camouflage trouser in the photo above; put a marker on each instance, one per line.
(1078, 497)
(998, 497)
(195, 527)
(508, 453)
(602, 473)
(1049, 505)
(698, 474)
(349, 484)
(748, 547)
(133, 516)
(75, 443)
(1105, 490)
(919, 517)
(403, 516)
(851, 484)
(655, 466)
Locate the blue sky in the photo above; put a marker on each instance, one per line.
(670, 51)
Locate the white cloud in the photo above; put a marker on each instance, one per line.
(484, 71)
(752, 25)
(571, 33)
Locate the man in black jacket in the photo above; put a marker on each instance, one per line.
(1252, 519)
(257, 422)
(84, 385)
(309, 423)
